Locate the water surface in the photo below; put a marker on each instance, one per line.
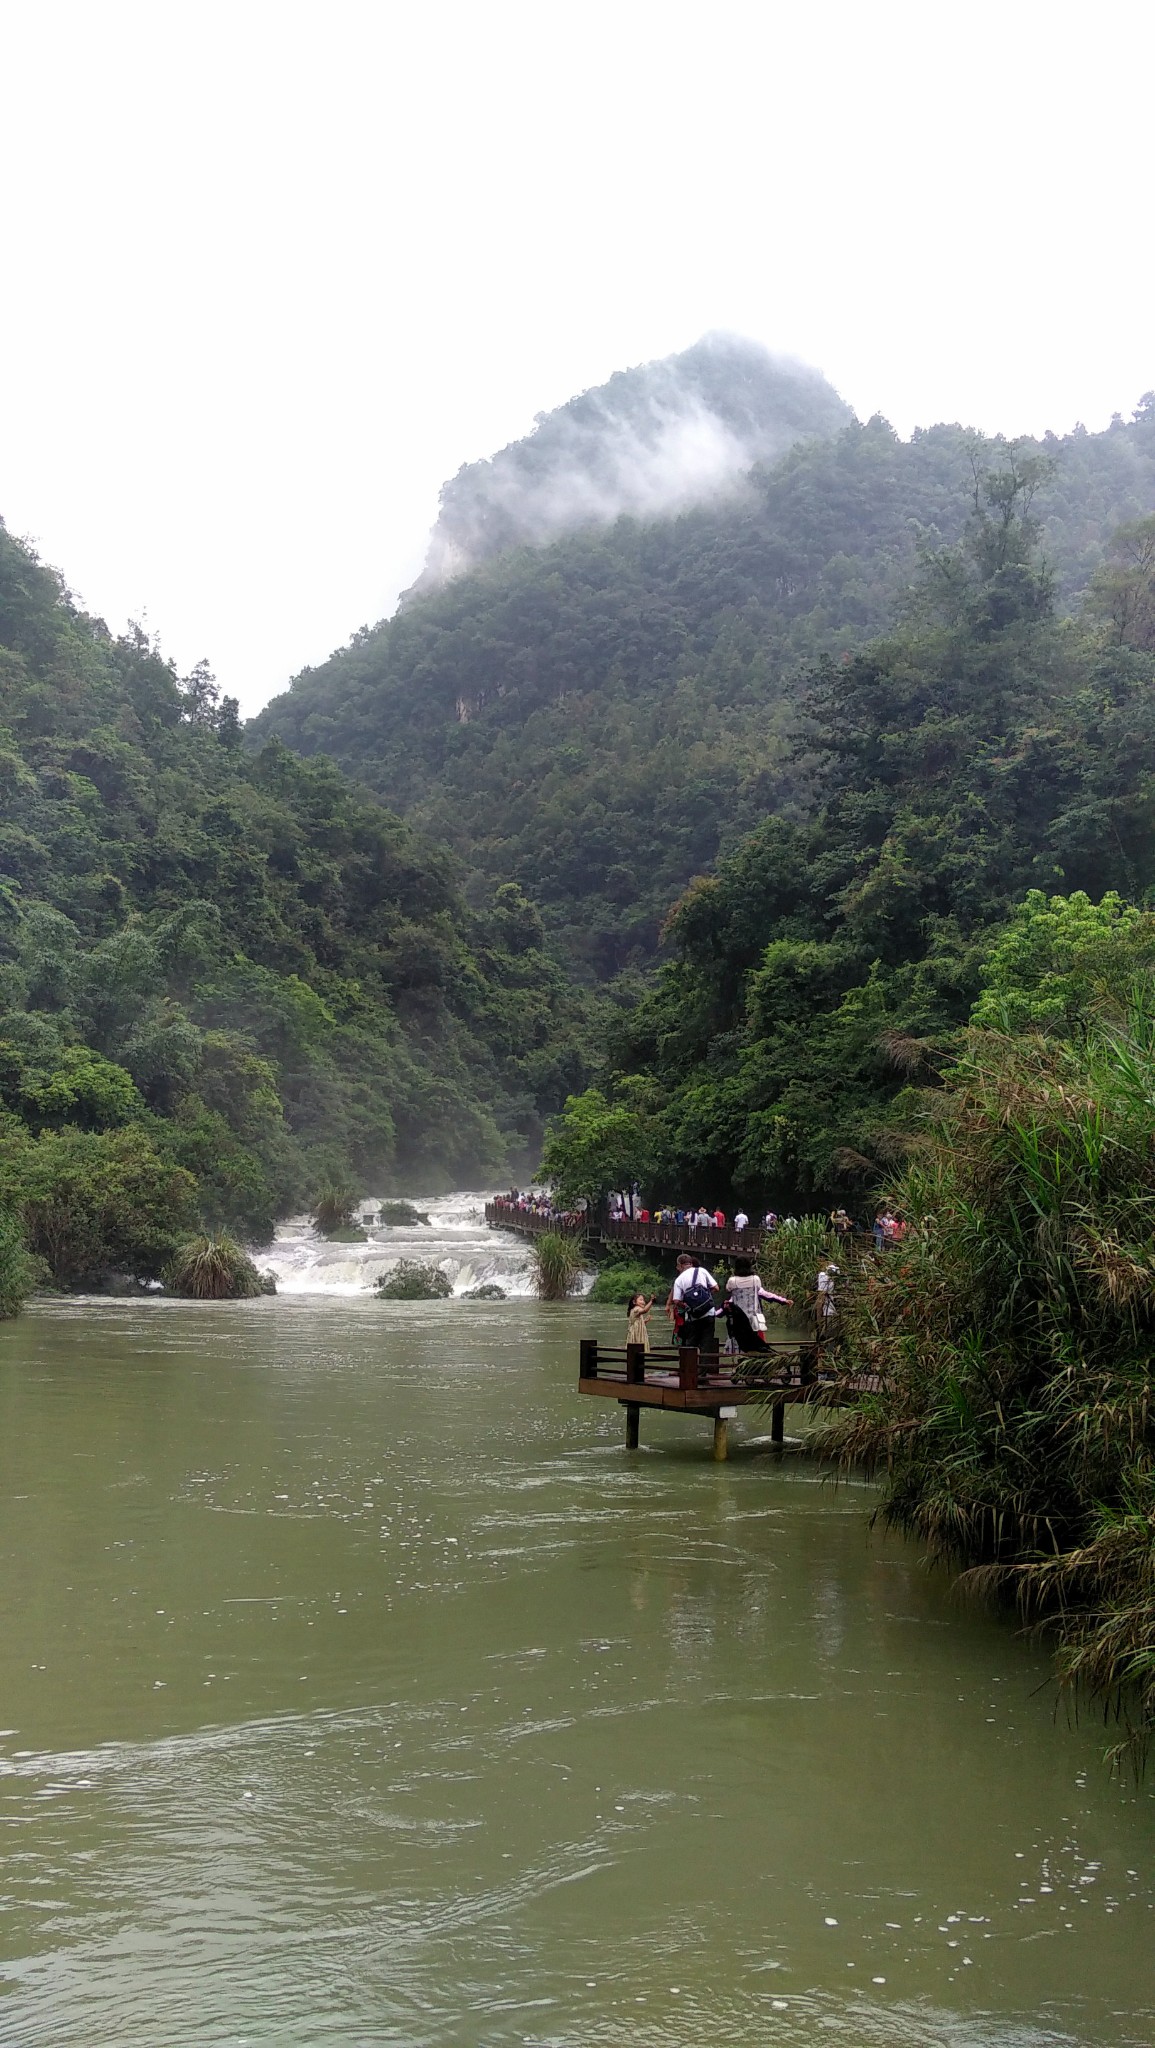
(359, 1688)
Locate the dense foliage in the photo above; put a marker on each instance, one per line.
(411, 1281)
(986, 749)
(225, 978)
(599, 719)
(1014, 1328)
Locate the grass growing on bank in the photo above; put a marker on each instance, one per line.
(556, 1265)
(790, 1261)
(208, 1268)
(1015, 1332)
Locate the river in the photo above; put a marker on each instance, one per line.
(359, 1688)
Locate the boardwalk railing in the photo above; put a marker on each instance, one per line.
(668, 1368)
(716, 1384)
(706, 1241)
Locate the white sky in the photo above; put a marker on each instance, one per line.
(271, 272)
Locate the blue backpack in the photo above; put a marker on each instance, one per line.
(698, 1299)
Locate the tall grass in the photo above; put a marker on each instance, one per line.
(556, 1264)
(208, 1268)
(790, 1261)
(1015, 1333)
(333, 1209)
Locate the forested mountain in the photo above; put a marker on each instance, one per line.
(985, 759)
(651, 441)
(601, 718)
(226, 977)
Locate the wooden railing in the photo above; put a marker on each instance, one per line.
(705, 1241)
(783, 1363)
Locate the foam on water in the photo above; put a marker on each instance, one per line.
(456, 1238)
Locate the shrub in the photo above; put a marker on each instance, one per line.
(488, 1291)
(556, 1263)
(215, 1269)
(395, 1215)
(620, 1282)
(412, 1282)
(333, 1209)
(19, 1271)
(96, 1204)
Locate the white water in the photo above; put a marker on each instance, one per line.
(456, 1238)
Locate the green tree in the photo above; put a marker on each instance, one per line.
(592, 1147)
(1057, 957)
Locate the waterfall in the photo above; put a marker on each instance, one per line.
(456, 1238)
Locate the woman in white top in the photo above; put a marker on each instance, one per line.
(743, 1303)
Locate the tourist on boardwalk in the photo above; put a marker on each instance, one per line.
(638, 1328)
(826, 1308)
(741, 1220)
(882, 1227)
(745, 1294)
(692, 1305)
(841, 1224)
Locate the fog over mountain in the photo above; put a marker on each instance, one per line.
(652, 440)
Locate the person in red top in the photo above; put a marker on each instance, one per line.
(719, 1219)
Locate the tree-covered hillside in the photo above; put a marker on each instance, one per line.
(599, 719)
(986, 779)
(227, 977)
(653, 440)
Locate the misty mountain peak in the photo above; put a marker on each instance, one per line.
(650, 441)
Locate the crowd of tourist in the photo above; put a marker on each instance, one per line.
(888, 1227)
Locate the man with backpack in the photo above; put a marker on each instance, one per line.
(691, 1305)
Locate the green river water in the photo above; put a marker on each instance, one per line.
(359, 1688)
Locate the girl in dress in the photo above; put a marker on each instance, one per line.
(638, 1328)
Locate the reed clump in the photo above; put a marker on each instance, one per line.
(333, 1212)
(556, 1264)
(214, 1268)
(790, 1261)
(1014, 1333)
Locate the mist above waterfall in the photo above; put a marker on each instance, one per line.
(651, 441)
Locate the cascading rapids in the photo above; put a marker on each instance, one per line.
(456, 1238)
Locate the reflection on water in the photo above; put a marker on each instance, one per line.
(359, 1688)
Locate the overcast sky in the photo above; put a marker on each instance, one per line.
(272, 272)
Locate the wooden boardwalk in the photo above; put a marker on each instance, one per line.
(712, 1383)
(705, 1243)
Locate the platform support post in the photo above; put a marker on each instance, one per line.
(633, 1417)
(778, 1424)
(721, 1439)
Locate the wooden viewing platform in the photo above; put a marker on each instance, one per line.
(705, 1242)
(712, 1383)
